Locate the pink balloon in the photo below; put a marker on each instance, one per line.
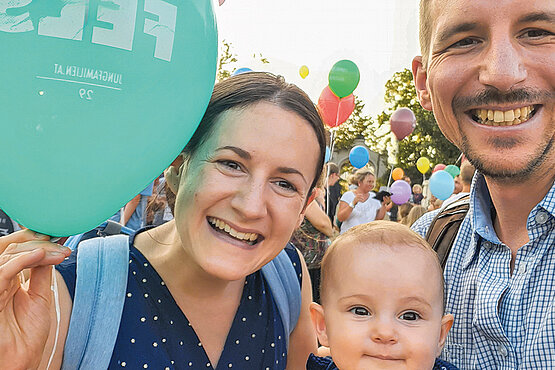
(439, 167)
(402, 123)
(335, 111)
(400, 192)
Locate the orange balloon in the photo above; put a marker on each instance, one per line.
(397, 174)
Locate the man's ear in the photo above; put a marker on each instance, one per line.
(420, 78)
(446, 324)
(172, 174)
(317, 317)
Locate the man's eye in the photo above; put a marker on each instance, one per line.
(464, 43)
(360, 311)
(536, 34)
(410, 316)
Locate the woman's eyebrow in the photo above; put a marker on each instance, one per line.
(240, 152)
(291, 170)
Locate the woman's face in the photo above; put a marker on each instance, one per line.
(367, 184)
(242, 194)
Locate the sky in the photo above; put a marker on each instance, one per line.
(381, 37)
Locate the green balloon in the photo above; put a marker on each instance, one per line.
(98, 97)
(452, 170)
(343, 78)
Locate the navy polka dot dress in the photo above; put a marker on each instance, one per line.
(155, 334)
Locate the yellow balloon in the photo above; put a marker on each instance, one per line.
(303, 71)
(423, 164)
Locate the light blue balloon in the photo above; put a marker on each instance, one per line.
(327, 155)
(98, 97)
(359, 156)
(442, 184)
(241, 70)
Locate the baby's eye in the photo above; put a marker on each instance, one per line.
(410, 316)
(360, 311)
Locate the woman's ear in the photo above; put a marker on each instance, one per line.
(318, 322)
(172, 174)
(420, 83)
(446, 324)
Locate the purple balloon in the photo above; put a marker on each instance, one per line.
(400, 192)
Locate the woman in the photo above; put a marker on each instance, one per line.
(358, 206)
(241, 185)
(312, 239)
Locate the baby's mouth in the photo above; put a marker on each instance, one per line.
(221, 227)
(512, 117)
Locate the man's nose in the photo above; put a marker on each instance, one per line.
(502, 65)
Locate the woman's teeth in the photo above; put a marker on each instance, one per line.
(222, 226)
(511, 117)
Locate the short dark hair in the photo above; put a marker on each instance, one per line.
(246, 89)
(332, 168)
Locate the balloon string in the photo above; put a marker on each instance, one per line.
(332, 142)
(54, 288)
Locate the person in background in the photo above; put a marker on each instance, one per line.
(134, 216)
(359, 206)
(312, 238)
(417, 195)
(486, 72)
(404, 210)
(334, 189)
(414, 214)
(382, 302)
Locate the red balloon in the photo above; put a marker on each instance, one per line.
(402, 123)
(334, 110)
(439, 167)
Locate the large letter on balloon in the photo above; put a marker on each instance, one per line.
(163, 30)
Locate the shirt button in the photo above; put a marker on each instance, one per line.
(502, 350)
(541, 217)
(522, 268)
(487, 244)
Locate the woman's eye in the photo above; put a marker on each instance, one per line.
(360, 311)
(410, 316)
(286, 185)
(230, 164)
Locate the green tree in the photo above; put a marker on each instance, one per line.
(425, 141)
(227, 63)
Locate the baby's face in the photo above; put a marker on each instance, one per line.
(383, 309)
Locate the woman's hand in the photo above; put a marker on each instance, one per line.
(25, 317)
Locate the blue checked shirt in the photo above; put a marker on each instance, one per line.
(502, 320)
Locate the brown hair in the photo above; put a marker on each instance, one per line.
(467, 172)
(247, 89)
(415, 213)
(375, 234)
(425, 31)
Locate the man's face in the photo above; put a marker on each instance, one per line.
(490, 82)
(458, 185)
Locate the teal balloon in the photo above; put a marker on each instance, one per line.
(452, 170)
(344, 78)
(442, 184)
(98, 97)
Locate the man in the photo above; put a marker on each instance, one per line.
(458, 185)
(487, 72)
(334, 190)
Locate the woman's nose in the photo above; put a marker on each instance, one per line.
(250, 201)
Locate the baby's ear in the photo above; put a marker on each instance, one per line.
(317, 317)
(446, 324)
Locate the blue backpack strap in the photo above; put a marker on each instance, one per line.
(284, 284)
(102, 268)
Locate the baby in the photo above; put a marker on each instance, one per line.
(417, 195)
(382, 302)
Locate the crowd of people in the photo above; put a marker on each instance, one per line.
(251, 255)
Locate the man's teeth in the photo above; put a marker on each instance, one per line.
(512, 117)
(249, 237)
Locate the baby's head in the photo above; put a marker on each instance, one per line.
(417, 189)
(382, 300)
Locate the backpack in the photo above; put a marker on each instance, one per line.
(445, 226)
(102, 270)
